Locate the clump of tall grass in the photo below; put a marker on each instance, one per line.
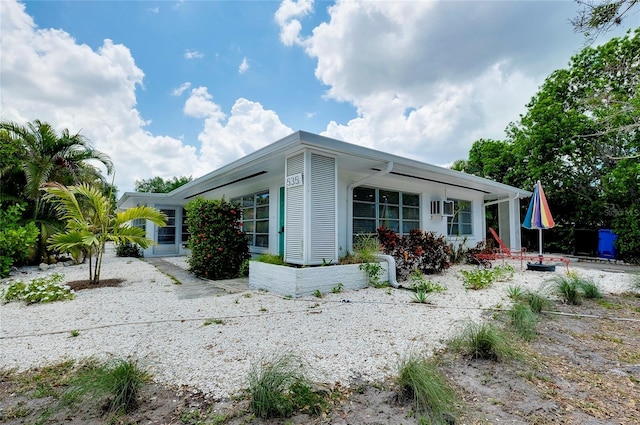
(483, 341)
(433, 397)
(572, 288)
(523, 320)
(117, 382)
(366, 247)
(278, 387)
(537, 302)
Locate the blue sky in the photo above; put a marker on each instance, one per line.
(180, 88)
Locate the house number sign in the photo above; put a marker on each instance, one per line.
(294, 180)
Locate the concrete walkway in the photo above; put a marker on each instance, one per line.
(192, 287)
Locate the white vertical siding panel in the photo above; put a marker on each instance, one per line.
(322, 185)
(294, 213)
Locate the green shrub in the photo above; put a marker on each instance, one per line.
(217, 243)
(16, 241)
(432, 395)
(483, 341)
(127, 249)
(524, 321)
(272, 385)
(39, 290)
(424, 251)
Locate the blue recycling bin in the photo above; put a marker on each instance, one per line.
(607, 243)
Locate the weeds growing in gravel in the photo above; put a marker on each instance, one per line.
(421, 297)
(278, 387)
(433, 397)
(39, 290)
(483, 341)
(419, 283)
(476, 279)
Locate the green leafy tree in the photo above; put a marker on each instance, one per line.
(488, 158)
(90, 223)
(160, 185)
(16, 240)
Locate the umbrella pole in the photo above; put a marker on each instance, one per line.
(540, 245)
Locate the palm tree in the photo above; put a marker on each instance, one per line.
(90, 223)
(46, 156)
(43, 155)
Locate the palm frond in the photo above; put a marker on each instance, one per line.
(141, 213)
(67, 241)
(64, 202)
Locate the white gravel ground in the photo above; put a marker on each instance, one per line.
(363, 338)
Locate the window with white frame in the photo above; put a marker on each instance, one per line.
(461, 222)
(255, 218)
(373, 208)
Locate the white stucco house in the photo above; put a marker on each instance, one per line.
(306, 197)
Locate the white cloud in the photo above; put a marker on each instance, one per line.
(286, 17)
(249, 127)
(183, 87)
(155, 10)
(429, 78)
(193, 54)
(244, 66)
(47, 75)
(200, 105)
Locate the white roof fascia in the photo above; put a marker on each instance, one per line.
(125, 196)
(348, 148)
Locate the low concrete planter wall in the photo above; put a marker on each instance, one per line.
(297, 282)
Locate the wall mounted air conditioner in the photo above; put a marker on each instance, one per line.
(442, 208)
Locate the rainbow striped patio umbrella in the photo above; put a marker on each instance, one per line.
(538, 215)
